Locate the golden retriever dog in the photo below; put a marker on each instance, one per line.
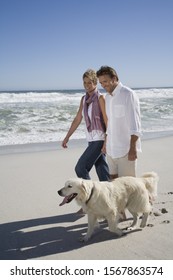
(107, 199)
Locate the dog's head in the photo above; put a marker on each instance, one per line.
(74, 188)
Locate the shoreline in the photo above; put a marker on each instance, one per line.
(39, 147)
(73, 143)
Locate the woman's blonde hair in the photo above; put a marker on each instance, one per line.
(90, 74)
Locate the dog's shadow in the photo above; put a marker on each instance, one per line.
(40, 237)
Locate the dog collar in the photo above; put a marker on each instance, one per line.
(90, 195)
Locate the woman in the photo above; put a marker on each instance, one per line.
(92, 108)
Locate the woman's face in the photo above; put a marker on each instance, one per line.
(89, 85)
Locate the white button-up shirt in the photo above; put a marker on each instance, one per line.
(123, 112)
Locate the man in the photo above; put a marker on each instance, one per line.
(123, 124)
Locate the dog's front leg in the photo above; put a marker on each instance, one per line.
(91, 223)
(113, 224)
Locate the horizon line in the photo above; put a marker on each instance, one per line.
(58, 89)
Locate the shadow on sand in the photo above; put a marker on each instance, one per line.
(36, 238)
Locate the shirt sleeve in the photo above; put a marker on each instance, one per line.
(133, 114)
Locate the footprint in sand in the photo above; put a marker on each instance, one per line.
(165, 222)
(156, 212)
(170, 192)
(150, 225)
(164, 211)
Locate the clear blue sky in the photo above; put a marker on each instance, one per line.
(48, 44)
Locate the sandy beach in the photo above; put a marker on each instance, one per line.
(34, 226)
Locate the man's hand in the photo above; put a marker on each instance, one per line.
(132, 155)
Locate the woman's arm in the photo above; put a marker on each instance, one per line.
(75, 123)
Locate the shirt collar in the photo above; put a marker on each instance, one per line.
(117, 89)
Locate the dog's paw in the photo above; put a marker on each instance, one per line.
(119, 232)
(131, 228)
(83, 238)
(142, 225)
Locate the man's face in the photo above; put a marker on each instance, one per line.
(108, 83)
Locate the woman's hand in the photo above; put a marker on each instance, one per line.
(64, 142)
(103, 150)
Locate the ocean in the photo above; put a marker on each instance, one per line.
(45, 116)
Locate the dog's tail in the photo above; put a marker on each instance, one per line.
(151, 181)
